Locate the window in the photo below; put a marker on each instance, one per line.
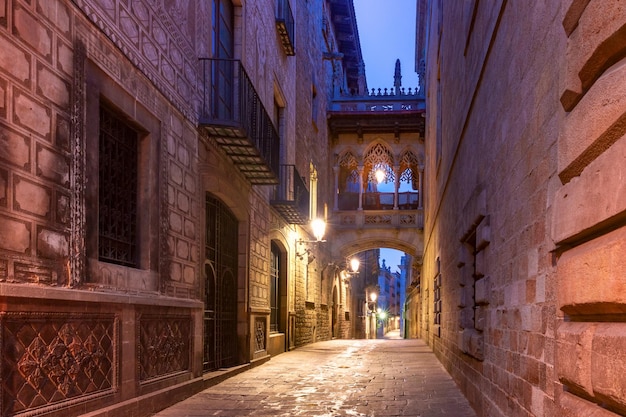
(124, 186)
(275, 289)
(117, 199)
(222, 23)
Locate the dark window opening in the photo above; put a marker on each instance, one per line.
(117, 199)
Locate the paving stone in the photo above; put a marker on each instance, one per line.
(356, 378)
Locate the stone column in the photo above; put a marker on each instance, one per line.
(361, 169)
(396, 186)
(420, 201)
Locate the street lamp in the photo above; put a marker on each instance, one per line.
(318, 227)
(371, 295)
(354, 265)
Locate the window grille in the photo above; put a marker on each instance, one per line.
(117, 198)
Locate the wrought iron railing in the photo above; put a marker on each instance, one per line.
(233, 114)
(286, 26)
(291, 196)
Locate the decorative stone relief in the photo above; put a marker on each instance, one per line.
(56, 358)
(259, 334)
(163, 345)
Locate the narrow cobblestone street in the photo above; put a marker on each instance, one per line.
(390, 377)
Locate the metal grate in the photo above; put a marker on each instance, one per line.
(220, 310)
(117, 198)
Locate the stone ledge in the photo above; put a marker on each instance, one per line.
(77, 295)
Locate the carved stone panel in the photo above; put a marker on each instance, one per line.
(48, 359)
(164, 345)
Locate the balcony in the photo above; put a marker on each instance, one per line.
(291, 197)
(378, 201)
(232, 114)
(286, 26)
(376, 219)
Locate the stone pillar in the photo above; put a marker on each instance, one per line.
(361, 168)
(396, 186)
(420, 194)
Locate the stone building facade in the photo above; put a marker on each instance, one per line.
(140, 250)
(522, 276)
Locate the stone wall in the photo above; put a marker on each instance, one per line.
(589, 211)
(488, 283)
(525, 205)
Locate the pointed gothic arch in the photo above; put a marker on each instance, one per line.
(378, 156)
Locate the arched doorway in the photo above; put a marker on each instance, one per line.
(220, 292)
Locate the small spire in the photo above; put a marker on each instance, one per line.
(397, 77)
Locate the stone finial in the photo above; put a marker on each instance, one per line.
(397, 77)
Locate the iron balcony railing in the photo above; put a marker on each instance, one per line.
(234, 116)
(286, 26)
(291, 196)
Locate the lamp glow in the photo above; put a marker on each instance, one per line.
(354, 264)
(319, 228)
(373, 296)
(380, 175)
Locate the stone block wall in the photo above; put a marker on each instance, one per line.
(526, 117)
(59, 59)
(590, 207)
(493, 118)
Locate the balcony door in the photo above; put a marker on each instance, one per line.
(222, 70)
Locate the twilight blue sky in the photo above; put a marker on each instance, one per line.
(387, 32)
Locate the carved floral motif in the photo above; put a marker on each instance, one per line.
(55, 358)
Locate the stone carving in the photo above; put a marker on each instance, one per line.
(259, 334)
(163, 345)
(77, 170)
(56, 358)
(378, 219)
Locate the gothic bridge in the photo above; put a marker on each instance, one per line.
(377, 144)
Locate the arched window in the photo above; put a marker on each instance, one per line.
(349, 182)
(408, 187)
(378, 160)
(380, 178)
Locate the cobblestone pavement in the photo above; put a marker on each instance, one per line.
(336, 378)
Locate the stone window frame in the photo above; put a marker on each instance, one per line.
(437, 302)
(103, 90)
(474, 288)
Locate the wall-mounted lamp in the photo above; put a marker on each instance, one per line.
(354, 265)
(318, 227)
(354, 269)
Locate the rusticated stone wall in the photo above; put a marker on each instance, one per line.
(526, 205)
(78, 334)
(588, 218)
(488, 284)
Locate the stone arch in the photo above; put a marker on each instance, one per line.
(409, 164)
(351, 242)
(378, 156)
(348, 177)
